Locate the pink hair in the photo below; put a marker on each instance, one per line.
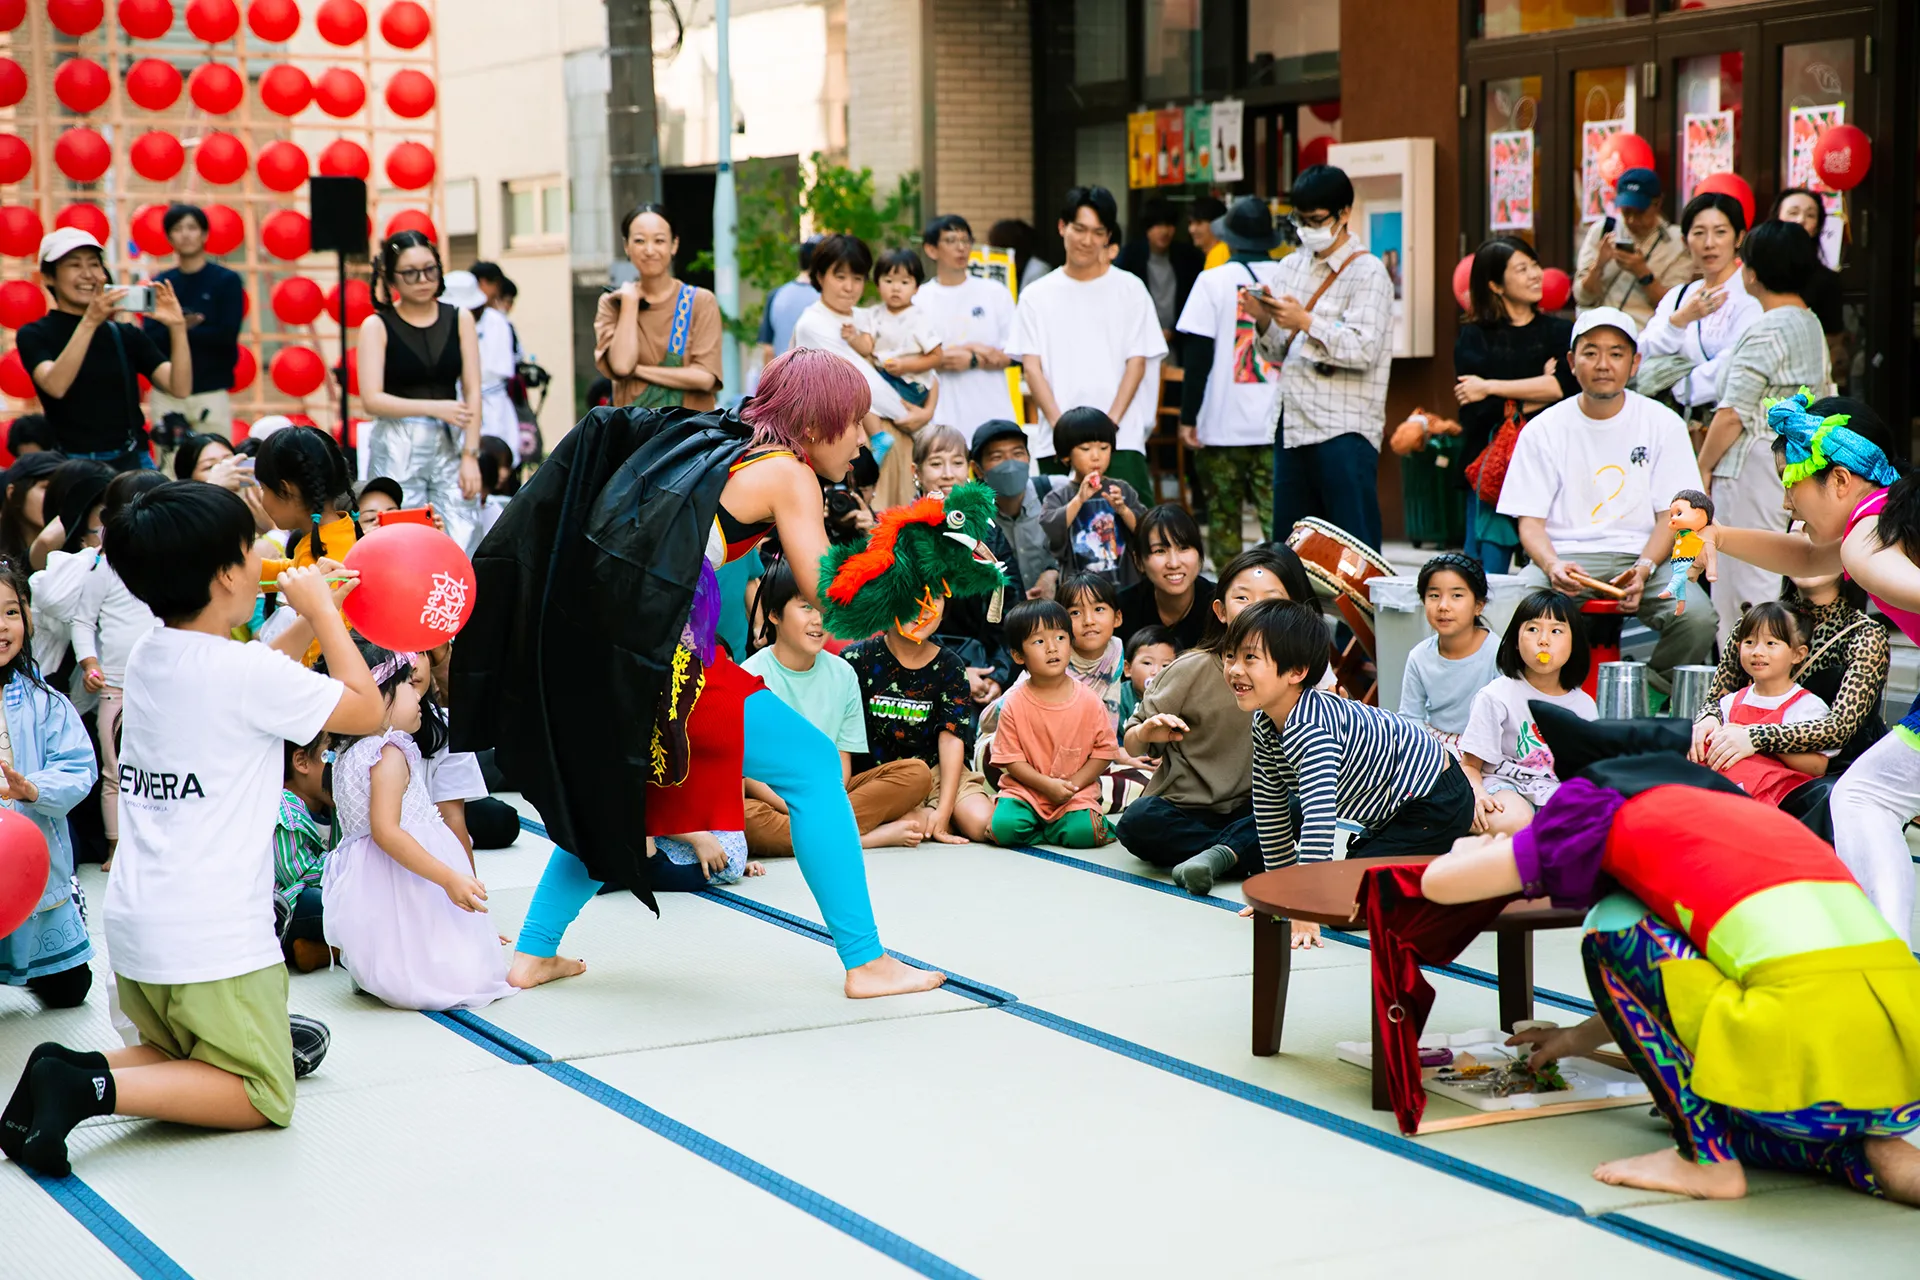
(806, 396)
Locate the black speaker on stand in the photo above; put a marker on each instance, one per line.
(339, 218)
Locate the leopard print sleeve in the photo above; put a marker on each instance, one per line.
(1867, 659)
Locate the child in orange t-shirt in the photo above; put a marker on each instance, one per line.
(1054, 741)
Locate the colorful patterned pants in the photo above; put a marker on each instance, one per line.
(1623, 971)
(1232, 476)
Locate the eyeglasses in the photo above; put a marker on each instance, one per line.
(1315, 220)
(418, 275)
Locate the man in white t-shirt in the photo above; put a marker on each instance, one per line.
(1088, 335)
(1591, 482)
(973, 317)
(1228, 415)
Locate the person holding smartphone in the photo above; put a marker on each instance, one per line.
(85, 364)
(1630, 261)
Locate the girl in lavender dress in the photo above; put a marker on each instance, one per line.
(403, 905)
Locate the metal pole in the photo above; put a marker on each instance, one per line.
(726, 265)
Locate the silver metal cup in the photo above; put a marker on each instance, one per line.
(1690, 685)
(1622, 690)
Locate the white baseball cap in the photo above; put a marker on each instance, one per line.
(1605, 318)
(268, 425)
(62, 241)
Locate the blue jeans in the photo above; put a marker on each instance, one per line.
(138, 458)
(1336, 480)
(1493, 557)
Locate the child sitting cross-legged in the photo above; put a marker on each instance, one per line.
(300, 843)
(1773, 639)
(1054, 741)
(1095, 658)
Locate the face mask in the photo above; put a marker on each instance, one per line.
(1007, 478)
(1318, 239)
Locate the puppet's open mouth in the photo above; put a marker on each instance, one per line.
(981, 554)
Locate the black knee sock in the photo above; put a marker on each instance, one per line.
(18, 1117)
(63, 1096)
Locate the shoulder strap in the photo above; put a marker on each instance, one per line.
(1325, 285)
(136, 425)
(682, 321)
(1813, 658)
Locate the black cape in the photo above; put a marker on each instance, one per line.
(584, 585)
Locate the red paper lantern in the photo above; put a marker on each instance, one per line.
(225, 231)
(81, 84)
(246, 367)
(24, 861)
(82, 154)
(1462, 282)
(1621, 152)
(341, 22)
(410, 166)
(296, 301)
(286, 234)
(215, 88)
(282, 166)
(146, 19)
(16, 158)
(1556, 286)
(76, 17)
(89, 218)
(156, 156)
(12, 14)
(246, 303)
(416, 588)
(405, 25)
(153, 84)
(273, 20)
(20, 231)
(222, 159)
(412, 220)
(410, 94)
(15, 382)
(150, 231)
(1730, 184)
(21, 303)
(1842, 154)
(213, 21)
(13, 82)
(339, 92)
(359, 303)
(297, 371)
(344, 159)
(285, 90)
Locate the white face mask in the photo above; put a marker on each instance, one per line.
(1318, 239)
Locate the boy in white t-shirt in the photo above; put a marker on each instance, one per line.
(189, 910)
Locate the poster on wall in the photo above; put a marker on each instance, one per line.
(1596, 198)
(1510, 179)
(1200, 143)
(1229, 160)
(1143, 146)
(1804, 126)
(1384, 239)
(1172, 161)
(1706, 148)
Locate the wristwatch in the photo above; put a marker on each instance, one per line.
(973, 359)
(1645, 280)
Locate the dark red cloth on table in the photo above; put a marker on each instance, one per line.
(1406, 932)
(709, 798)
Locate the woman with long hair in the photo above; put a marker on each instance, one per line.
(657, 338)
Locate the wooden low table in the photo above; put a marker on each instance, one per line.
(1328, 894)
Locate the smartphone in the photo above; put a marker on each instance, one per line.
(1606, 227)
(138, 299)
(407, 515)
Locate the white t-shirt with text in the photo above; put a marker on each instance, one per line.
(975, 310)
(1241, 385)
(1084, 332)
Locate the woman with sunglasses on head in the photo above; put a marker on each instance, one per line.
(420, 378)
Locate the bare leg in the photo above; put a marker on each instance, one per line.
(889, 977)
(1896, 1162)
(901, 833)
(531, 971)
(185, 1092)
(1669, 1171)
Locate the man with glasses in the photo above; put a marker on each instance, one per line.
(1089, 335)
(1327, 320)
(972, 315)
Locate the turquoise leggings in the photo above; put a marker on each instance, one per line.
(802, 766)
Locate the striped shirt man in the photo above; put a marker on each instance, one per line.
(1342, 759)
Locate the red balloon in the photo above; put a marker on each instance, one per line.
(246, 367)
(1730, 184)
(339, 92)
(296, 301)
(246, 303)
(1462, 281)
(359, 303)
(20, 231)
(12, 14)
(344, 159)
(416, 588)
(222, 159)
(82, 154)
(410, 94)
(16, 158)
(1556, 286)
(152, 84)
(297, 371)
(286, 234)
(1314, 151)
(405, 25)
(1621, 152)
(1842, 154)
(273, 20)
(341, 21)
(225, 231)
(81, 84)
(150, 231)
(285, 90)
(24, 861)
(13, 82)
(21, 303)
(282, 166)
(1325, 112)
(410, 166)
(76, 17)
(215, 88)
(146, 19)
(156, 156)
(89, 218)
(15, 382)
(213, 21)
(412, 220)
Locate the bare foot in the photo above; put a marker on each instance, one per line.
(889, 977)
(1896, 1162)
(901, 833)
(531, 971)
(1669, 1171)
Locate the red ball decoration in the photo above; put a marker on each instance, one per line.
(215, 88)
(1621, 152)
(156, 156)
(1842, 154)
(341, 21)
(222, 159)
(282, 166)
(13, 82)
(16, 383)
(89, 218)
(405, 25)
(1462, 280)
(1730, 184)
(344, 159)
(416, 588)
(285, 90)
(24, 861)
(353, 371)
(81, 84)
(153, 84)
(146, 19)
(150, 231)
(21, 303)
(20, 231)
(297, 371)
(1314, 151)
(410, 166)
(296, 301)
(213, 21)
(16, 158)
(246, 304)
(273, 20)
(1556, 286)
(12, 14)
(359, 303)
(286, 234)
(225, 231)
(339, 92)
(410, 94)
(82, 154)
(76, 17)
(246, 367)
(412, 220)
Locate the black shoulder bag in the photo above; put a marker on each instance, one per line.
(137, 428)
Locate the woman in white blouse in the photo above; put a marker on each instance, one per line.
(1703, 319)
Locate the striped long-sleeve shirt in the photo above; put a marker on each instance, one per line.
(299, 851)
(1342, 759)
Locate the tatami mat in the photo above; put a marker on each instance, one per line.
(39, 1238)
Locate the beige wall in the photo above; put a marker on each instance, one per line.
(983, 120)
(886, 105)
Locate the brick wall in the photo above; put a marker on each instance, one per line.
(885, 105)
(983, 111)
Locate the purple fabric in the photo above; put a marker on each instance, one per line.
(703, 622)
(1558, 855)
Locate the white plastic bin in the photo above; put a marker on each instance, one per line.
(1400, 622)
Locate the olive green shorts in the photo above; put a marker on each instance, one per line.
(236, 1024)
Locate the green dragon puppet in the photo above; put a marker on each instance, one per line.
(889, 580)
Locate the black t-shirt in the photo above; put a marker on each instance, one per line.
(1507, 353)
(1822, 296)
(101, 411)
(214, 294)
(907, 710)
(1137, 610)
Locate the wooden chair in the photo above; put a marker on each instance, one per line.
(1165, 443)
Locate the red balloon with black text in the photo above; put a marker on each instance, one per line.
(1556, 286)
(221, 159)
(285, 90)
(82, 85)
(150, 231)
(90, 218)
(405, 25)
(282, 166)
(297, 371)
(214, 21)
(410, 166)
(345, 159)
(82, 154)
(416, 588)
(21, 303)
(412, 220)
(24, 861)
(286, 234)
(153, 84)
(410, 94)
(146, 19)
(16, 158)
(341, 22)
(273, 20)
(225, 230)
(1842, 154)
(15, 382)
(339, 92)
(215, 88)
(296, 301)
(76, 17)
(246, 367)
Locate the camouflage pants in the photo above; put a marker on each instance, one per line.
(1232, 476)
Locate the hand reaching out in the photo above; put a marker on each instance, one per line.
(17, 786)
